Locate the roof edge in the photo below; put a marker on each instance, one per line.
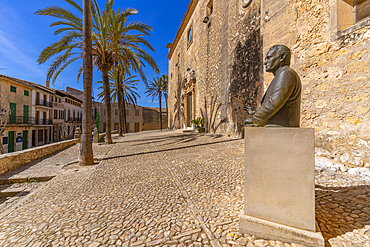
(184, 22)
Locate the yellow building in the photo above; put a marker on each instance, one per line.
(16, 95)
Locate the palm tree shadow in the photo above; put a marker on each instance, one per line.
(183, 138)
(171, 149)
(340, 210)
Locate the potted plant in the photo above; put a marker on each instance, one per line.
(199, 125)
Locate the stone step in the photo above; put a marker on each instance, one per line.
(25, 179)
(10, 192)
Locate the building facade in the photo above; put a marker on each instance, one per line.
(216, 62)
(134, 118)
(39, 114)
(138, 118)
(17, 97)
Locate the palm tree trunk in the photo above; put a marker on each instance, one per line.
(1, 141)
(124, 113)
(108, 106)
(165, 98)
(160, 108)
(120, 103)
(86, 152)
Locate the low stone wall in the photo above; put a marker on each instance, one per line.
(15, 160)
(102, 135)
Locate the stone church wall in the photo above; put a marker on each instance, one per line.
(333, 67)
(227, 56)
(227, 75)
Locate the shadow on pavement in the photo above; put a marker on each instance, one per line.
(340, 210)
(169, 149)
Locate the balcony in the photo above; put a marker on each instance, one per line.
(74, 119)
(58, 105)
(44, 103)
(43, 122)
(21, 120)
(28, 120)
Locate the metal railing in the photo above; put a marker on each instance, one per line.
(74, 119)
(28, 120)
(44, 103)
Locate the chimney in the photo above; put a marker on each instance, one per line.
(48, 83)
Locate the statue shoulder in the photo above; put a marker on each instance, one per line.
(288, 72)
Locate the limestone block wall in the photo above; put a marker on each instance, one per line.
(15, 160)
(333, 66)
(226, 55)
(152, 120)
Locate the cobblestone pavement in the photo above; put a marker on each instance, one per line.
(55, 164)
(31, 176)
(171, 189)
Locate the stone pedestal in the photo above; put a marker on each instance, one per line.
(279, 192)
(96, 135)
(77, 134)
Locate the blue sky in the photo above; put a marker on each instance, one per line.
(23, 35)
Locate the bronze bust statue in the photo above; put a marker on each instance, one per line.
(281, 104)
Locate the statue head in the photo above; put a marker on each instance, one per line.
(277, 57)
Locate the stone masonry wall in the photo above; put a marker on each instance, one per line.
(152, 120)
(227, 57)
(333, 67)
(217, 57)
(245, 64)
(15, 160)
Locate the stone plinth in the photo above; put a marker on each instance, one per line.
(279, 193)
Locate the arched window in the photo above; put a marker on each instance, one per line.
(190, 35)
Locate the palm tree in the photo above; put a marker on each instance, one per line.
(112, 42)
(165, 93)
(156, 88)
(123, 89)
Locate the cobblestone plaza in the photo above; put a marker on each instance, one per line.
(165, 189)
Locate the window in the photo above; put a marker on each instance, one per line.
(127, 112)
(137, 127)
(13, 89)
(349, 12)
(5, 140)
(128, 127)
(210, 8)
(116, 112)
(190, 36)
(137, 112)
(26, 93)
(55, 114)
(40, 135)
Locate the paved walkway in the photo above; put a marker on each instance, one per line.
(170, 189)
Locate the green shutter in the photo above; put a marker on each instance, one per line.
(24, 140)
(13, 114)
(10, 141)
(27, 93)
(13, 89)
(25, 113)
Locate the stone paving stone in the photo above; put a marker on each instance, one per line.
(171, 189)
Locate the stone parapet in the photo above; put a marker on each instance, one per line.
(15, 160)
